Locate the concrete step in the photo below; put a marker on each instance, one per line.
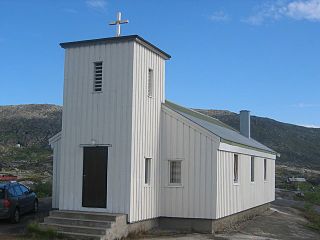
(82, 236)
(85, 215)
(78, 222)
(75, 229)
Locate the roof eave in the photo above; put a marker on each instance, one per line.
(247, 147)
(136, 38)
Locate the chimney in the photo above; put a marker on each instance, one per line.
(245, 123)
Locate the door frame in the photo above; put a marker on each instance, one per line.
(107, 146)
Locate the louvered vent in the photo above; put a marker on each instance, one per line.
(97, 87)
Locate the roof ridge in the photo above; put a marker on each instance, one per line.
(189, 114)
(202, 116)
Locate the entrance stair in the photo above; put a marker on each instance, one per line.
(87, 225)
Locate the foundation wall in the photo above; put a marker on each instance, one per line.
(210, 225)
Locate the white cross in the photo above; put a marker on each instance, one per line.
(118, 23)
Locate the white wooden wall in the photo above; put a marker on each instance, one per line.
(182, 139)
(233, 198)
(146, 112)
(56, 146)
(104, 117)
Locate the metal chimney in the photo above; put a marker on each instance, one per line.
(245, 123)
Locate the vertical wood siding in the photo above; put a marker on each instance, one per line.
(146, 111)
(56, 146)
(233, 198)
(181, 139)
(104, 117)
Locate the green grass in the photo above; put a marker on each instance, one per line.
(43, 189)
(314, 217)
(311, 193)
(30, 154)
(34, 231)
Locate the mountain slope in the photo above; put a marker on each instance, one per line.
(32, 125)
(298, 146)
(24, 134)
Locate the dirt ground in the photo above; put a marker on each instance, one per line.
(283, 221)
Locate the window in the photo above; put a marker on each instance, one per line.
(150, 82)
(24, 189)
(175, 172)
(265, 169)
(252, 169)
(97, 84)
(235, 168)
(2, 193)
(17, 190)
(147, 170)
(11, 192)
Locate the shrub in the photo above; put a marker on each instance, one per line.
(43, 189)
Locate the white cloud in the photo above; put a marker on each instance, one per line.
(97, 4)
(309, 10)
(306, 105)
(219, 16)
(310, 126)
(298, 10)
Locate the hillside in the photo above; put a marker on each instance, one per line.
(32, 125)
(24, 134)
(299, 146)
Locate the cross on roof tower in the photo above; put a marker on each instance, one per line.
(118, 22)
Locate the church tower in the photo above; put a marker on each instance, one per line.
(113, 92)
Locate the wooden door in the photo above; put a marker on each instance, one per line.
(94, 180)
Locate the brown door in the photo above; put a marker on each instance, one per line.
(94, 180)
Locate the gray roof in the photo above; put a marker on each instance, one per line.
(225, 132)
(136, 38)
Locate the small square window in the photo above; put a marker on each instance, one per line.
(97, 83)
(150, 82)
(175, 172)
(235, 168)
(147, 170)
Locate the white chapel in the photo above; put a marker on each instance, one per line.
(124, 149)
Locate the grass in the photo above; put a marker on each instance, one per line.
(311, 198)
(30, 154)
(34, 231)
(43, 189)
(313, 217)
(311, 193)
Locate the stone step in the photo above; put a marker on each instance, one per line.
(82, 236)
(84, 215)
(75, 229)
(78, 222)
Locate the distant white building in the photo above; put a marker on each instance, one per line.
(124, 149)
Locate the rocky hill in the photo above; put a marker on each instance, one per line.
(25, 130)
(24, 134)
(299, 146)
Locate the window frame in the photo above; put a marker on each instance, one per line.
(150, 83)
(236, 179)
(174, 184)
(94, 76)
(265, 170)
(147, 171)
(252, 169)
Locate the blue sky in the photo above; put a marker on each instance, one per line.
(258, 55)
